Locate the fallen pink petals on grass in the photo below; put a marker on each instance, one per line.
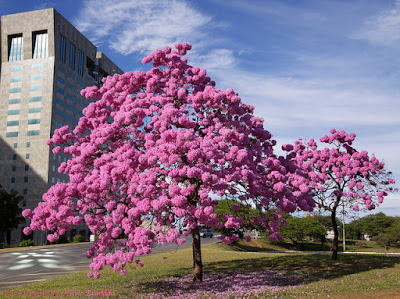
(222, 285)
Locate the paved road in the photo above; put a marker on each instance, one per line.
(32, 265)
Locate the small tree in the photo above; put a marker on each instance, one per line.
(376, 224)
(10, 212)
(340, 175)
(390, 237)
(301, 230)
(150, 152)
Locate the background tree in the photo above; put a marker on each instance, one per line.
(10, 213)
(341, 176)
(372, 225)
(376, 224)
(250, 215)
(325, 220)
(390, 237)
(152, 149)
(301, 230)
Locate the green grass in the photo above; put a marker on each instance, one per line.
(357, 275)
(351, 246)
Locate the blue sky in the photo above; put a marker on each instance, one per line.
(307, 66)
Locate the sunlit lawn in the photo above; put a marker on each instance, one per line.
(227, 271)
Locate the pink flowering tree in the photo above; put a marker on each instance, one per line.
(340, 175)
(149, 157)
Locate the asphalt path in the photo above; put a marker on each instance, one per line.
(32, 265)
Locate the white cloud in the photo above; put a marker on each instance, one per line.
(293, 103)
(215, 60)
(383, 28)
(141, 26)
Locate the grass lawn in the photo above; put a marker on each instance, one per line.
(351, 246)
(234, 274)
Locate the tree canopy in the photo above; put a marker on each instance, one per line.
(154, 147)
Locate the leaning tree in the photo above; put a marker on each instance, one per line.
(150, 156)
(340, 175)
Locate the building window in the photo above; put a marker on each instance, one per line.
(35, 110)
(69, 118)
(13, 123)
(25, 179)
(69, 107)
(36, 87)
(71, 60)
(12, 190)
(60, 90)
(15, 145)
(15, 90)
(69, 96)
(33, 121)
(28, 144)
(33, 133)
(14, 101)
(15, 157)
(27, 156)
(61, 80)
(26, 167)
(12, 180)
(36, 77)
(25, 193)
(61, 55)
(80, 82)
(15, 47)
(15, 79)
(35, 99)
(40, 41)
(61, 69)
(80, 62)
(37, 66)
(17, 68)
(12, 134)
(59, 102)
(13, 112)
(13, 168)
(71, 76)
(59, 113)
(70, 86)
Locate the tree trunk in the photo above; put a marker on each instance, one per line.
(197, 264)
(335, 236)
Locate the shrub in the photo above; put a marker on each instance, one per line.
(26, 243)
(4, 245)
(78, 238)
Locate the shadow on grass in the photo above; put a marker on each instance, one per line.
(257, 246)
(266, 275)
(217, 284)
(319, 266)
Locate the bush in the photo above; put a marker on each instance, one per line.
(4, 245)
(25, 243)
(78, 238)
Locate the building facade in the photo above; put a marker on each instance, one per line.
(45, 62)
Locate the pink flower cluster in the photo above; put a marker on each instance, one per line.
(340, 172)
(149, 153)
